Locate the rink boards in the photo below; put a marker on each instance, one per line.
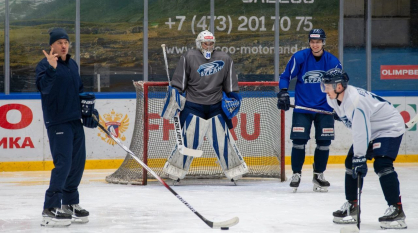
(24, 142)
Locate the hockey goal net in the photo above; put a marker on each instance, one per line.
(258, 131)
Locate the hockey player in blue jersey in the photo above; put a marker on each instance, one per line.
(307, 66)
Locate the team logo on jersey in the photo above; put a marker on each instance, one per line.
(314, 76)
(210, 68)
(116, 124)
(346, 121)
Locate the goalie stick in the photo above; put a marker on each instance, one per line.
(225, 224)
(179, 134)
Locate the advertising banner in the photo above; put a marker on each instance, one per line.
(399, 72)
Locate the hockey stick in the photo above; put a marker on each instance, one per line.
(408, 125)
(312, 109)
(412, 122)
(354, 229)
(223, 225)
(179, 134)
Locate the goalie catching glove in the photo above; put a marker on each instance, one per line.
(173, 102)
(231, 104)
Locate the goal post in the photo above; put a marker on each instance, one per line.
(258, 132)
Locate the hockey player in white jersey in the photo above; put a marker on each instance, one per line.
(377, 129)
(208, 80)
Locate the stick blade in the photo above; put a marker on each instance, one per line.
(191, 152)
(412, 122)
(228, 223)
(350, 229)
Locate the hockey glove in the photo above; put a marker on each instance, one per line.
(87, 103)
(283, 102)
(336, 117)
(359, 166)
(173, 102)
(89, 122)
(231, 104)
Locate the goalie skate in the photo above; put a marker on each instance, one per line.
(320, 184)
(394, 218)
(294, 183)
(55, 217)
(347, 214)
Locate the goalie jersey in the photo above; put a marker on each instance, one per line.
(204, 80)
(369, 116)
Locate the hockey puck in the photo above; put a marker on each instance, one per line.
(224, 228)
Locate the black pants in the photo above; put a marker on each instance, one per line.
(68, 149)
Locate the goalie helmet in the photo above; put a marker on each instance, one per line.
(317, 34)
(334, 76)
(205, 36)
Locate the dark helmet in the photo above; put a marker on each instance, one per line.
(335, 76)
(317, 34)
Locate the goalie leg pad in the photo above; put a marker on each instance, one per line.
(194, 130)
(229, 157)
(173, 102)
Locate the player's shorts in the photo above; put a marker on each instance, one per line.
(302, 123)
(384, 147)
(204, 111)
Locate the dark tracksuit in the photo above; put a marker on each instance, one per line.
(61, 108)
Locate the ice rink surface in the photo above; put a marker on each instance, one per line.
(262, 205)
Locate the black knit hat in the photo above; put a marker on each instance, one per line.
(56, 34)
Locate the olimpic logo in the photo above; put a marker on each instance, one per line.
(116, 124)
(407, 114)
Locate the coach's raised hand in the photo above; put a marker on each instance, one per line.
(51, 57)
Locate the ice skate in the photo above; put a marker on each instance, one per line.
(294, 183)
(347, 214)
(320, 184)
(394, 218)
(79, 215)
(55, 217)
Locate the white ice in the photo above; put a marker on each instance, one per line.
(262, 205)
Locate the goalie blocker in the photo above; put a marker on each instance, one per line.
(216, 130)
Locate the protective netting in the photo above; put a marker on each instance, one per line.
(258, 131)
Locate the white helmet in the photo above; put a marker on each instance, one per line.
(205, 36)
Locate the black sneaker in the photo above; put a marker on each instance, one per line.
(347, 214)
(394, 218)
(79, 215)
(55, 217)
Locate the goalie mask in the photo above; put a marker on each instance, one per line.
(205, 43)
(331, 78)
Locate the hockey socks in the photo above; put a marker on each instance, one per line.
(298, 155)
